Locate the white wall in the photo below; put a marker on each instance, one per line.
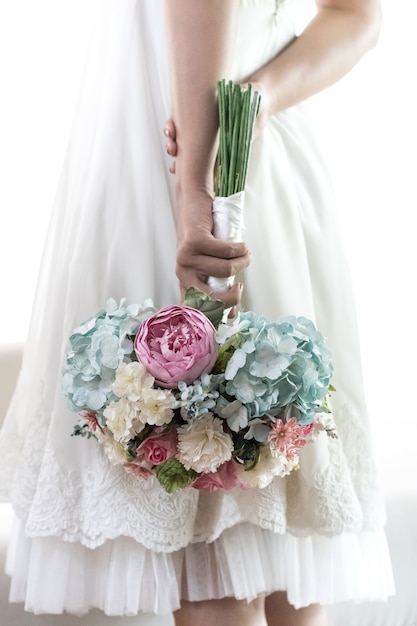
(369, 131)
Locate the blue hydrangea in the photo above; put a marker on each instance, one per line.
(281, 363)
(201, 396)
(95, 350)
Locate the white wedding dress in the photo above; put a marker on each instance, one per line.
(89, 535)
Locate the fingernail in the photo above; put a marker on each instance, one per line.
(166, 132)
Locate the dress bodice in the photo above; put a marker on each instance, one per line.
(265, 27)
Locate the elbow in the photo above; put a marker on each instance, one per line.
(373, 21)
(364, 19)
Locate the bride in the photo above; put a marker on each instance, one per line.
(124, 227)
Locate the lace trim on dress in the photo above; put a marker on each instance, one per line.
(329, 495)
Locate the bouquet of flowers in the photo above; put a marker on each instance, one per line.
(178, 394)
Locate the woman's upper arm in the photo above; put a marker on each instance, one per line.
(368, 12)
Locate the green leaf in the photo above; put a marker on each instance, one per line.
(82, 430)
(226, 351)
(173, 476)
(212, 308)
(246, 451)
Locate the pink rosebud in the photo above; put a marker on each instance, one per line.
(140, 471)
(158, 447)
(226, 477)
(176, 344)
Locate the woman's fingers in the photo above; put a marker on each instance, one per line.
(212, 266)
(213, 257)
(171, 144)
(201, 242)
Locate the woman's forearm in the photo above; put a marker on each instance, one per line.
(200, 43)
(201, 37)
(336, 38)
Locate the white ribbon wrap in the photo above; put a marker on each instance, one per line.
(228, 226)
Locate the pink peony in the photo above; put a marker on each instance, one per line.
(158, 447)
(176, 344)
(226, 477)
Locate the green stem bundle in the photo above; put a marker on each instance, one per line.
(238, 107)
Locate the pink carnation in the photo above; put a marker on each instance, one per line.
(158, 447)
(226, 477)
(176, 344)
(288, 437)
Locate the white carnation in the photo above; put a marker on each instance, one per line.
(203, 446)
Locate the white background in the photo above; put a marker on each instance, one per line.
(369, 131)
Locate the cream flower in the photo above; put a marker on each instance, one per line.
(271, 463)
(263, 473)
(323, 422)
(115, 452)
(122, 420)
(131, 379)
(156, 406)
(203, 445)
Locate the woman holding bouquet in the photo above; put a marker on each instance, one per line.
(272, 555)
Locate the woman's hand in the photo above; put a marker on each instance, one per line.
(199, 254)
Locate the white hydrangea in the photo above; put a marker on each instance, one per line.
(324, 422)
(131, 380)
(115, 452)
(156, 406)
(122, 420)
